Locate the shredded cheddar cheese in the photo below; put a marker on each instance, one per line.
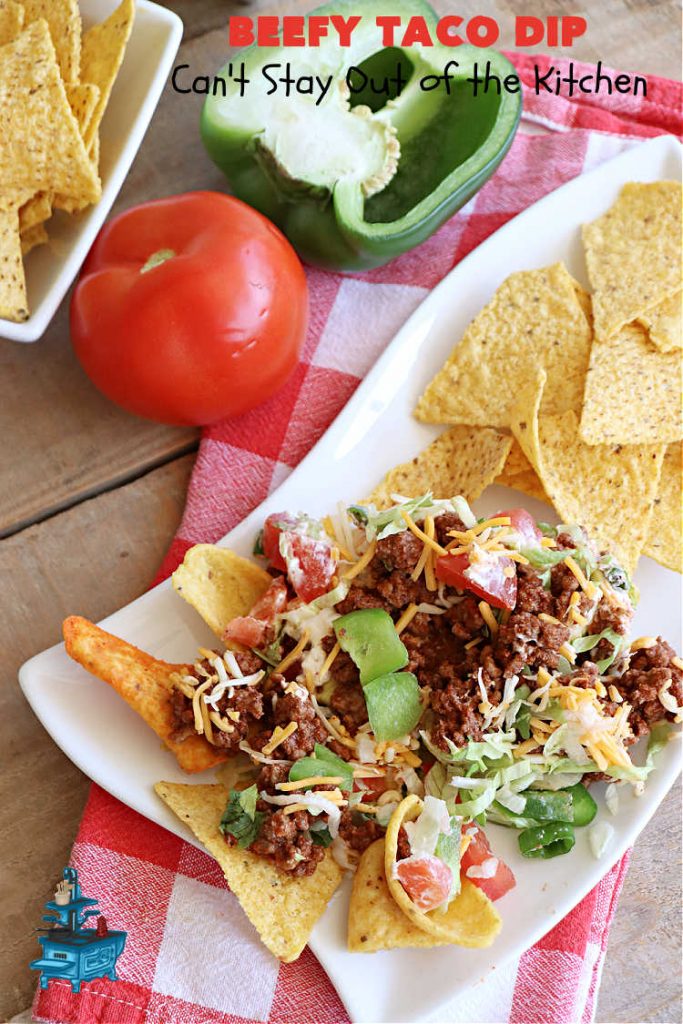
(313, 780)
(406, 618)
(643, 643)
(278, 737)
(568, 652)
(421, 535)
(588, 588)
(488, 617)
(329, 661)
(293, 655)
(362, 563)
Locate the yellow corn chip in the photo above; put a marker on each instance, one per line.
(35, 211)
(64, 21)
(103, 48)
(520, 475)
(525, 483)
(219, 584)
(42, 146)
(462, 460)
(375, 920)
(13, 301)
(471, 919)
(144, 683)
(36, 235)
(535, 318)
(610, 490)
(633, 254)
(666, 525)
(282, 909)
(633, 392)
(83, 98)
(664, 323)
(11, 20)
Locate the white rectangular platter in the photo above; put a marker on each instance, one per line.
(375, 431)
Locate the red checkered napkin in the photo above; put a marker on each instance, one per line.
(190, 955)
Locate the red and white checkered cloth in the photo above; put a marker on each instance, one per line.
(188, 957)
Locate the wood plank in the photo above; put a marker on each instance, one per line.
(641, 979)
(92, 559)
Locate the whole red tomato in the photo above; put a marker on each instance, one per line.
(190, 309)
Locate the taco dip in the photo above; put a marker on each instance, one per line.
(385, 684)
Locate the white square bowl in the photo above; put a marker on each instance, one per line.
(151, 49)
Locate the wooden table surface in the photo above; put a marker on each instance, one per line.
(90, 498)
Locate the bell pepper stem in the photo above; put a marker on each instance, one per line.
(156, 259)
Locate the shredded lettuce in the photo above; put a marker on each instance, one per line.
(383, 523)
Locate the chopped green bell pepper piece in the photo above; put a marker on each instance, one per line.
(547, 841)
(584, 807)
(369, 637)
(548, 806)
(394, 706)
(322, 762)
(368, 170)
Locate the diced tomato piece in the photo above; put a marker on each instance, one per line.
(273, 601)
(250, 630)
(492, 583)
(310, 565)
(426, 880)
(272, 528)
(246, 630)
(372, 787)
(476, 853)
(523, 522)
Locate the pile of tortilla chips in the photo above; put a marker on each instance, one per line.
(55, 83)
(586, 388)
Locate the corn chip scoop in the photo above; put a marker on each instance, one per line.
(471, 919)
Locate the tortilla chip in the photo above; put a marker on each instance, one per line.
(102, 54)
(13, 300)
(534, 318)
(664, 541)
(520, 475)
(462, 460)
(375, 920)
(64, 21)
(633, 392)
(525, 483)
(35, 211)
(83, 98)
(37, 235)
(282, 909)
(633, 254)
(664, 323)
(144, 683)
(219, 584)
(11, 20)
(43, 149)
(471, 919)
(610, 490)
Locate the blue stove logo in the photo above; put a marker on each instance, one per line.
(70, 951)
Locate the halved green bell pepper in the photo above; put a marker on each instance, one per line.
(361, 177)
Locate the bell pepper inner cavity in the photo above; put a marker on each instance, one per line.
(368, 636)
(385, 146)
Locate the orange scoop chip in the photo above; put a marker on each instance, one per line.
(144, 683)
